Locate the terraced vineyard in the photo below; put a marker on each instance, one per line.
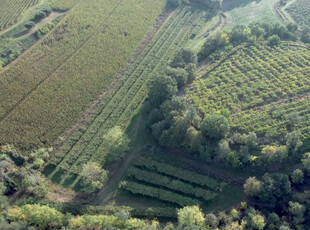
(123, 100)
(299, 10)
(260, 86)
(164, 182)
(10, 11)
(46, 90)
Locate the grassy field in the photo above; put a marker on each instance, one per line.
(122, 102)
(11, 10)
(49, 86)
(244, 12)
(260, 86)
(299, 10)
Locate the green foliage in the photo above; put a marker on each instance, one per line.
(93, 177)
(252, 187)
(306, 161)
(293, 142)
(29, 25)
(39, 16)
(116, 143)
(274, 40)
(191, 216)
(42, 216)
(297, 210)
(297, 176)
(183, 58)
(299, 10)
(215, 126)
(161, 88)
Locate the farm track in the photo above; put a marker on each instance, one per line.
(56, 68)
(94, 140)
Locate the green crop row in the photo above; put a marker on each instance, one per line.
(50, 85)
(158, 193)
(176, 185)
(179, 173)
(11, 10)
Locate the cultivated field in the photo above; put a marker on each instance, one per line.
(245, 12)
(47, 88)
(299, 11)
(260, 86)
(122, 101)
(10, 11)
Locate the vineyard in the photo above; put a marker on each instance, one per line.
(161, 181)
(61, 5)
(46, 90)
(11, 10)
(243, 12)
(299, 11)
(123, 100)
(260, 86)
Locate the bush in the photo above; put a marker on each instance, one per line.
(274, 40)
(29, 25)
(297, 176)
(39, 16)
(215, 126)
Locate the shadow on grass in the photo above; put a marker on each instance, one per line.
(229, 5)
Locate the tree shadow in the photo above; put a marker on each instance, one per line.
(229, 5)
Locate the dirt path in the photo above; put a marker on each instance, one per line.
(42, 23)
(110, 188)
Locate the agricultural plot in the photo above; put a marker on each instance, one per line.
(10, 11)
(160, 181)
(260, 86)
(123, 100)
(61, 5)
(50, 85)
(245, 12)
(299, 10)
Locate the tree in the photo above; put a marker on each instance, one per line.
(215, 126)
(39, 16)
(116, 143)
(252, 186)
(297, 211)
(211, 220)
(161, 88)
(258, 222)
(274, 40)
(191, 215)
(178, 74)
(293, 142)
(276, 190)
(42, 216)
(251, 140)
(184, 57)
(306, 161)
(192, 71)
(93, 176)
(29, 25)
(297, 176)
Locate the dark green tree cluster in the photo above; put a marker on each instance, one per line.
(250, 35)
